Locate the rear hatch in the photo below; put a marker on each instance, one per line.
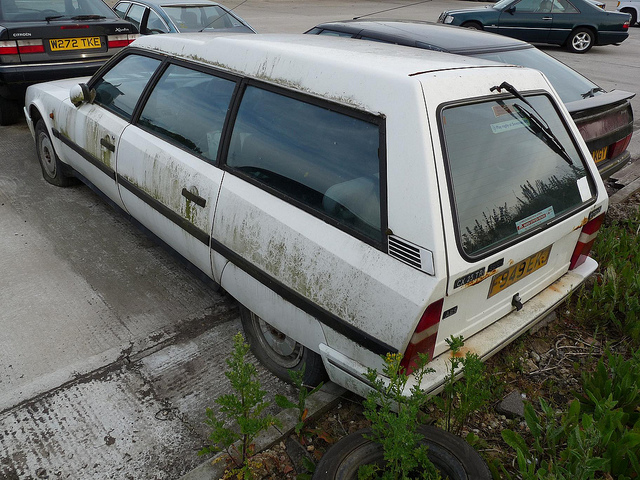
(519, 189)
(59, 31)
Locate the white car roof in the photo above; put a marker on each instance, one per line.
(290, 58)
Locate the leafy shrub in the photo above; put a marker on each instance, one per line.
(613, 300)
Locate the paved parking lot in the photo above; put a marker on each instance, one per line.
(110, 348)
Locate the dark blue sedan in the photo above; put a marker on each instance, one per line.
(576, 24)
(178, 16)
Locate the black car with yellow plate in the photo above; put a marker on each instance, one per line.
(43, 40)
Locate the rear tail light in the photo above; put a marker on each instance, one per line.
(30, 46)
(585, 241)
(618, 147)
(9, 52)
(423, 339)
(119, 41)
(625, 25)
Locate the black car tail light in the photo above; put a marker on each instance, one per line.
(618, 147)
(30, 46)
(599, 127)
(119, 41)
(9, 52)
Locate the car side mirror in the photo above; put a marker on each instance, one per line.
(511, 9)
(80, 94)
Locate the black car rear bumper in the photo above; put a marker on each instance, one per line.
(14, 79)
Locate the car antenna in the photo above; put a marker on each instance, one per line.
(225, 14)
(389, 9)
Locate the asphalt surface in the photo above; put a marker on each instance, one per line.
(110, 348)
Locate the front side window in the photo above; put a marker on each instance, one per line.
(155, 24)
(507, 177)
(326, 160)
(188, 107)
(533, 6)
(197, 18)
(119, 89)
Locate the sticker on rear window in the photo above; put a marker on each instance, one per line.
(534, 220)
(501, 127)
(583, 188)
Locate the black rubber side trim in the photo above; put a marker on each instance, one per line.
(324, 316)
(86, 155)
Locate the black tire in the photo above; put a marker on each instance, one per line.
(280, 353)
(580, 40)
(454, 457)
(9, 111)
(472, 26)
(634, 18)
(52, 168)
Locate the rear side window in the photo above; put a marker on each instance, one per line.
(327, 160)
(119, 89)
(507, 178)
(188, 107)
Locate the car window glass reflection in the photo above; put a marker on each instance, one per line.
(194, 116)
(321, 158)
(120, 88)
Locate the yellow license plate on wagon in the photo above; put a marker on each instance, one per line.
(82, 43)
(599, 155)
(518, 271)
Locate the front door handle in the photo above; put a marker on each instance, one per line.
(197, 199)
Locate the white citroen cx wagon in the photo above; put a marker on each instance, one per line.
(356, 198)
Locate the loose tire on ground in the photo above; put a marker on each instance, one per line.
(52, 169)
(580, 40)
(280, 353)
(454, 457)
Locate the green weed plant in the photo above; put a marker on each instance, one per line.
(297, 378)
(613, 303)
(460, 399)
(597, 437)
(394, 420)
(245, 408)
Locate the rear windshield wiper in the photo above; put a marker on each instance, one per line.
(591, 92)
(53, 17)
(87, 17)
(543, 127)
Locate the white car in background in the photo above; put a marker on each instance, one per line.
(632, 7)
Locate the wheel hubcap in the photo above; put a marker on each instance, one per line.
(47, 158)
(581, 41)
(282, 349)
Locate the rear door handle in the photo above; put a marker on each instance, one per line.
(106, 143)
(197, 199)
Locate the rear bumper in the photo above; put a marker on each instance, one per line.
(609, 38)
(350, 374)
(15, 78)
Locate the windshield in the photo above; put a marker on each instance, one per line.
(502, 4)
(41, 10)
(570, 85)
(194, 18)
(507, 179)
